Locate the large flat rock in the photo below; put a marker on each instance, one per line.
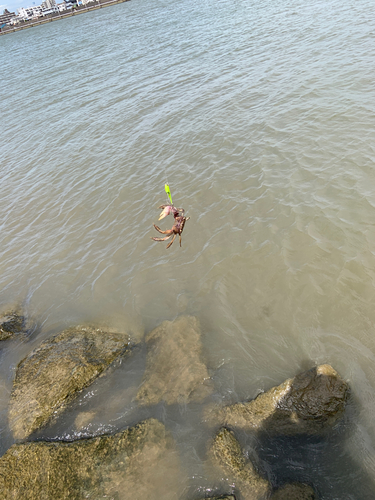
(226, 452)
(175, 370)
(53, 373)
(308, 403)
(137, 464)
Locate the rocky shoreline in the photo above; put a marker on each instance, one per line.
(124, 465)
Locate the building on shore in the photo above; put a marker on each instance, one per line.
(46, 8)
(33, 12)
(5, 17)
(48, 4)
(29, 16)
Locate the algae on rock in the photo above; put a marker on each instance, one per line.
(294, 491)
(11, 323)
(138, 463)
(175, 371)
(226, 452)
(307, 403)
(53, 373)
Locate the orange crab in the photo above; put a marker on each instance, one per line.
(178, 226)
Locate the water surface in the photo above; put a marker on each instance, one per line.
(261, 117)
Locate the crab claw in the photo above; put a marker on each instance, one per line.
(167, 209)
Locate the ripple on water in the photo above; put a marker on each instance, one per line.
(261, 117)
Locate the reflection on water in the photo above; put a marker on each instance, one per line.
(260, 115)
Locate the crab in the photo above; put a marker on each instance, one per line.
(178, 226)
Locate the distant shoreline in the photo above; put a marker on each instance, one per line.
(57, 17)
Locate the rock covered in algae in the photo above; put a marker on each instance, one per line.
(294, 491)
(175, 371)
(11, 323)
(307, 403)
(136, 464)
(221, 497)
(226, 452)
(53, 373)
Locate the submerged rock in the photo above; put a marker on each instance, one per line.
(83, 419)
(226, 452)
(11, 323)
(294, 491)
(53, 373)
(222, 497)
(136, 464)
(307, 403)
(175, 371)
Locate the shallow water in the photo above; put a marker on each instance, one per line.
(261, 117)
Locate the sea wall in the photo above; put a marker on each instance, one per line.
(57, 17)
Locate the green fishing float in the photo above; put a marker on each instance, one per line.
(168, 191)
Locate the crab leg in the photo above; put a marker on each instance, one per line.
(162, 239)
(169, 244)
(168, 231)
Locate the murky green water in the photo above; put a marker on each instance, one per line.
(261, 117)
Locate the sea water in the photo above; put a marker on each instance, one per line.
(261, 117)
